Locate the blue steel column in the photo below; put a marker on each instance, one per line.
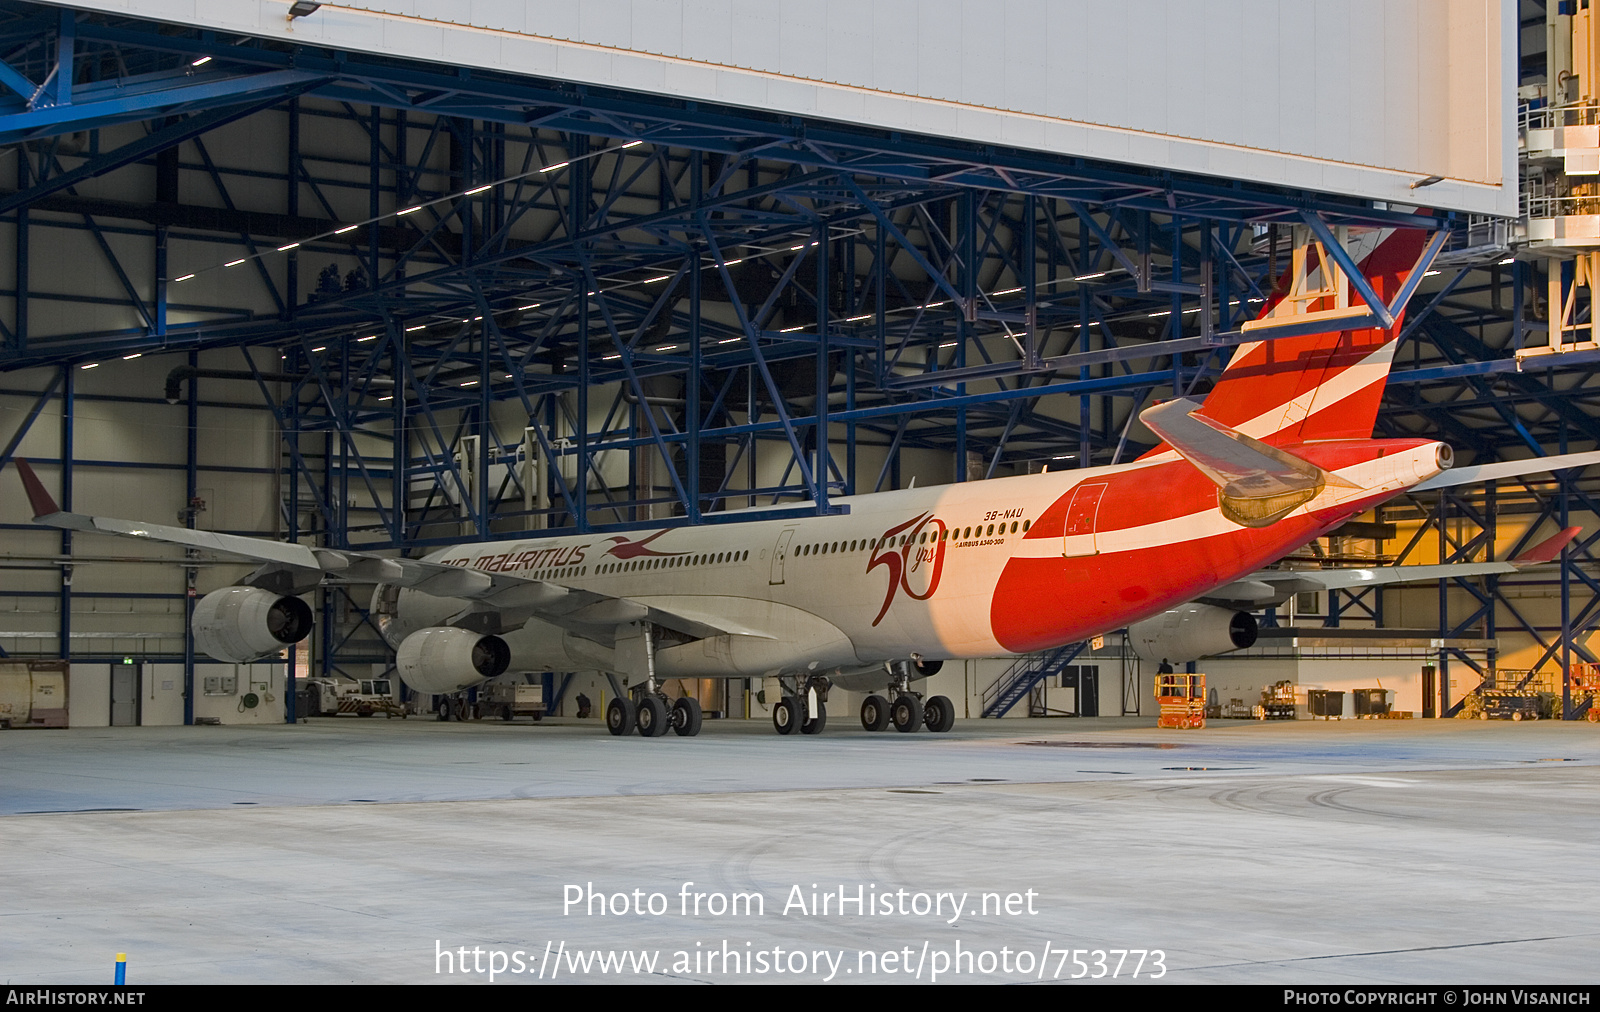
(325, 626)
(20, 319)
(824, 374)
(291, 435)
(1567, 561)
(486, 451)
(65, 600)
(968, 226)
(578, 207)
(691, 401)
(191, 479)
(1444, 608)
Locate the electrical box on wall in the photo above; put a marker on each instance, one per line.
(221, 685)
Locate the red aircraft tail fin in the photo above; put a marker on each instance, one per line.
(1319, 386)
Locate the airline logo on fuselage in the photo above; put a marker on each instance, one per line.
(625, 549)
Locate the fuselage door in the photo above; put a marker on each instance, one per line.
(780, 552)
(1078, 538)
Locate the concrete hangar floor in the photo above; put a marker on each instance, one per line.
(350, 850)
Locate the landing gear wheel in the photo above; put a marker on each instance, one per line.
(686, 717)
(874, 713)
(652, 717)
(786, 715)
(814, 725)
(444, 709)
(906, 713)
(939, 714)
(620, 716)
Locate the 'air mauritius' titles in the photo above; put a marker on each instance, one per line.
(530, 559)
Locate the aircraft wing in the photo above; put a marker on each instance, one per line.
(1271, 587)
(496, 602)
(1239, 465)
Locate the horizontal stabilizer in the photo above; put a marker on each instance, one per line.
(1260, 484)
(1506, 469)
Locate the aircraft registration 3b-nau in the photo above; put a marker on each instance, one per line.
(1172, 546)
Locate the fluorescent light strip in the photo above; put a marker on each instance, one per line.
(130, 358)
(235, 263)
(466, 193)
(186, 277)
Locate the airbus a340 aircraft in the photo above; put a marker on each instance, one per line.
(1171, 545)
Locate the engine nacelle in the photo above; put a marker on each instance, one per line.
(1192, 631)
(445, 659)
(240, 624)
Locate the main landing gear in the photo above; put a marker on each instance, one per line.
(907, 710)
(653, 715)
(803, 706)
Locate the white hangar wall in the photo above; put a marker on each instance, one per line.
(1355, 97)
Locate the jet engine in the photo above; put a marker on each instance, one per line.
(240, 624)
(445, 659)
(1192, 631)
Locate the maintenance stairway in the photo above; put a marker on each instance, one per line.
(1027, 671)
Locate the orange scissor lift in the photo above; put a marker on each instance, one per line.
(1586, 685)
(1183, 700)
